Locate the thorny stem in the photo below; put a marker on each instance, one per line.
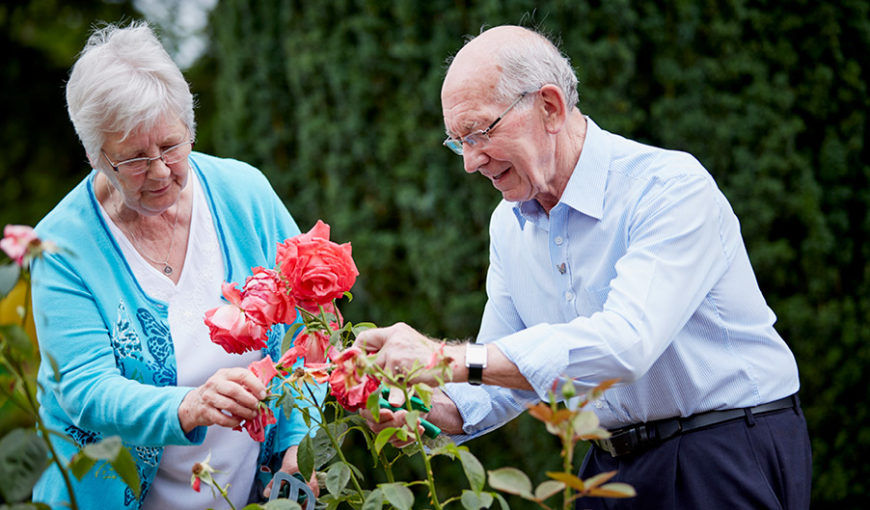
(430, 479)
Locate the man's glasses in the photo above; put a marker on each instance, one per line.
(137, 166)
(481, 136)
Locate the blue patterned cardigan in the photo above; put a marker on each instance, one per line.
(111, 341)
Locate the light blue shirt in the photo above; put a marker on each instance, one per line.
(638, 273)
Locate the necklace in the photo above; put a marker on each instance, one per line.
(167, 269)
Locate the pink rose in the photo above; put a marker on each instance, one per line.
(317, 269)
(265, 300)
(264, 370)
(257, 427)
(312, 346)
(16, 241)
(231, 328)
(350, 387)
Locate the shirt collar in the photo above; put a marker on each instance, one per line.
(585, 189)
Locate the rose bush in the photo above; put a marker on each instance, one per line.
(311, 273)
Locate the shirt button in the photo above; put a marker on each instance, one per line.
(598, 404)
(569, 296)
(558, 241)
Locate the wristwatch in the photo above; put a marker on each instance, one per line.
(475, 361)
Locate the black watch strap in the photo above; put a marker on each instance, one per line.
(475, 361)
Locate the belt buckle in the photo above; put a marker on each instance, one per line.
(619, 443)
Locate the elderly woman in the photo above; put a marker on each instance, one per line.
(147, 239)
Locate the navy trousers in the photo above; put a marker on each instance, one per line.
(760, 462)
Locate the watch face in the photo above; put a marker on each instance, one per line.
(475, 355)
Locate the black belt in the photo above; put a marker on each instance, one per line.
(637, 437)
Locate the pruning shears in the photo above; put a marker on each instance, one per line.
(430, 430)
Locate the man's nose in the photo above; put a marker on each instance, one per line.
(473, 157)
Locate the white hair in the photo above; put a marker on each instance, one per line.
(528, 64)
(124, 81)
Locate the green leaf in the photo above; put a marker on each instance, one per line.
(512, 481)
(384, 437)
(107, 449)
(424, 391)
(337, 477)
(322, 447)
(290, 336)
(373, 404)
(569, 479)
(26, 506)
(55, 368)
(501, 501)
(374, 500)
(449, 449)
(19, 341)
(305, 456)
(398, 495)
(80, 465)
(23, 458)
(474, 501)
(613, 490)
(9, 274)
(473, 470)
(282, 504)
(126, 468)
(548, 488)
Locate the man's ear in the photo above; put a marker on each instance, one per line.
(554, 108)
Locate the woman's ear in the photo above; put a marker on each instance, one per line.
(554, 108)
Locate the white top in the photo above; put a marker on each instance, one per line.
(233, 453)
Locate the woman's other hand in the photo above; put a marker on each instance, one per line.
(227, 398)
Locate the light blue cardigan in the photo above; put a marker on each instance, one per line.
(111, 341)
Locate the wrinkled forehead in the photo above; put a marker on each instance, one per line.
(468, 98)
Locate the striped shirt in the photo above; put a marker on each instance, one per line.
(638, 273)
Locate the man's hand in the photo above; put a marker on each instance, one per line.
(400, 346)
(227, 398)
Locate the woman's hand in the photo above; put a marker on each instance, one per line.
(290, 465)
(227, 398)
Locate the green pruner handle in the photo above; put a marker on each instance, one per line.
(430, 430)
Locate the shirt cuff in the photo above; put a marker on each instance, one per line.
(542, 361)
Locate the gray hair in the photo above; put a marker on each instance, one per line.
(123, 81)
(532, 63)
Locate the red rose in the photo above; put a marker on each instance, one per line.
(317, 269)
(16, 241)
(350, 387)
(265, 300)
(230, 327)
(257, 427)
(312, 346)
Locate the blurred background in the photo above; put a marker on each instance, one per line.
(338, 103)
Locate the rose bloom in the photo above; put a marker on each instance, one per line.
(16, 240)
(265, 300)
(317, 269)
(231, 328)
(264, 369)
(312, 346)
(350, 388)
(257, 427)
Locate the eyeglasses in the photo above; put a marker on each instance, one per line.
(480, 136)
(137, 166)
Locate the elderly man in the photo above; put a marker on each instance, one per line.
(612, 259)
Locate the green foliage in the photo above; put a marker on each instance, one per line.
(339, 104)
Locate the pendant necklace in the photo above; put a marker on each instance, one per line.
(167, 269)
